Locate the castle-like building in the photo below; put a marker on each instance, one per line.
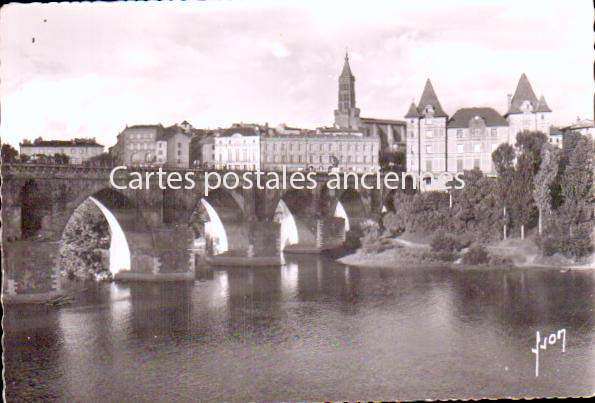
(438, 143)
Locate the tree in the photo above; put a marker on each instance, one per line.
(61, 158)
(544, 179)
(9, 153)
(577, 190)
(528, 142)
(393, 161)
(85, 240)
(103, 159)
(503, 158)
(520, 191)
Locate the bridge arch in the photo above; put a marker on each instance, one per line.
(217, 222)
(131, 242)
(299, 226)
(351, 206)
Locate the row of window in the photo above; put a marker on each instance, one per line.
(461, 165)
(461, 148)
(474, 132)
(140, 136)
(318, 147)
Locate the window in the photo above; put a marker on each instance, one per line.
(476, 148)
(428, 148)
(429, 165)
(179, 145)
(459, 133)
(459, 165)
(494, 132)
(179, 153)
(429, 133)
(476, 163)
(460, 148)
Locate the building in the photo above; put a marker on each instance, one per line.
(472, 135)
(426, 133)
(525, 111)
(238, 148)
(154, 145)
(78, 150)
(202, 150)
(556, 137)
(583, 126)
(437, 143)
(176, 140)
(390, 132)
(322, 151)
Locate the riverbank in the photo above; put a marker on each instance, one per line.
(413, 250)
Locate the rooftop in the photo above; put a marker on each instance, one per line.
(383, 121)
(463, 116)
(62, 143)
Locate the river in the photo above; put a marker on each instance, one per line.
(310, 330)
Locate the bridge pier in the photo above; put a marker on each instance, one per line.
(31, 272)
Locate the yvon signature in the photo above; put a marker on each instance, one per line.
(541, 344)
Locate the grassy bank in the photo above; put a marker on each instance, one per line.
(414, 250)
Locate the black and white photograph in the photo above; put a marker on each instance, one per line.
(297, 201)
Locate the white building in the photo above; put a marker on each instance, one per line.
(238, 148)
(583, 126)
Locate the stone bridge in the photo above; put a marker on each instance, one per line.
(161, 227)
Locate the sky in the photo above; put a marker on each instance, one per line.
(88, 70)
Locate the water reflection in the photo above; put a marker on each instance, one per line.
(310, 330)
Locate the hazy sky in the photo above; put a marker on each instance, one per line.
(93, 68)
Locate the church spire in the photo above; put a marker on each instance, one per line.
(346, 115)
(346, 68)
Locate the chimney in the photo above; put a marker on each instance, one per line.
(509, 100)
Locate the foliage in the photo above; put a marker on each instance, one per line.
(420, 212)
(85, 241)
(475, 207)
(393, 161)
(102, 160)
(477, 254)
(9, 153)
(544, 179)
(522, 206)
(530, 143)
(443, 242)
(571, 226)
(374, 239)
(475, 210)
(61, 158)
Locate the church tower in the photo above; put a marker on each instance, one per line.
(346, 114)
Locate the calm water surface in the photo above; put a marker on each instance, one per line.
(311, 330)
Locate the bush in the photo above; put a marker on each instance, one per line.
(373, 239)
(477, 254)
(557, 238)
(443, 242)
